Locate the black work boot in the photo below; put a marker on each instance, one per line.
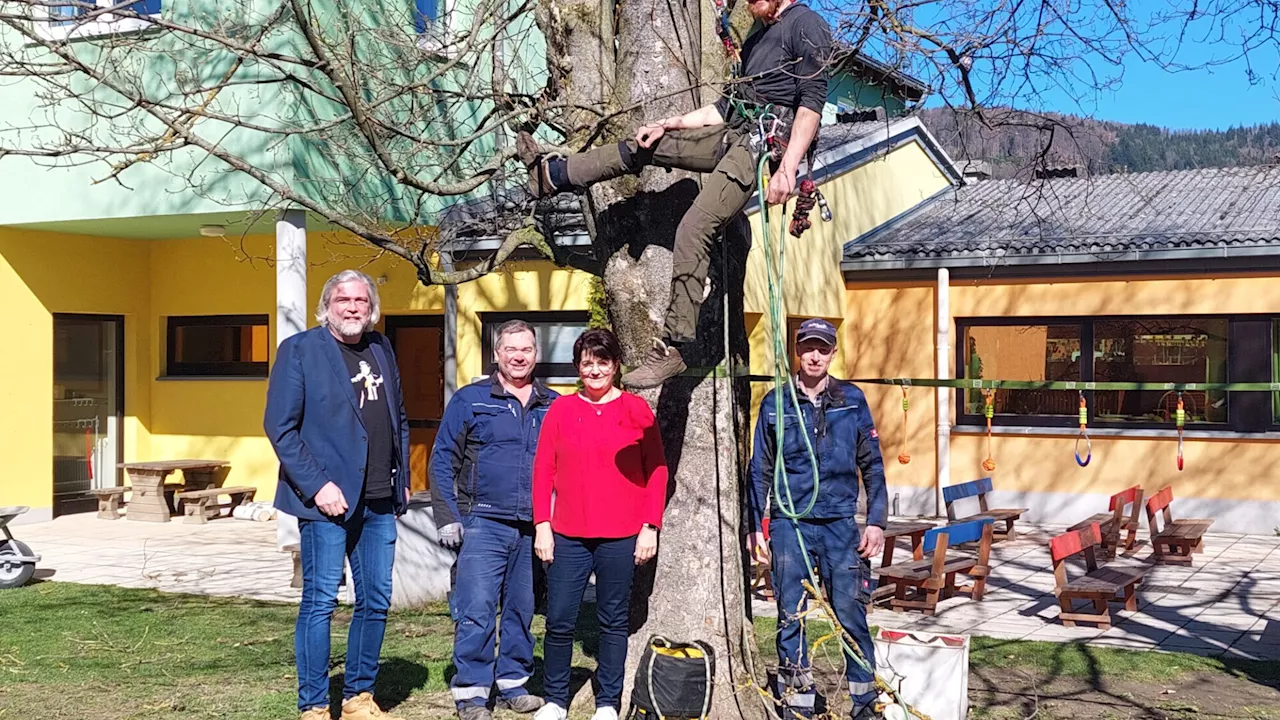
(522, 704)
(662, 363)
(540, 185)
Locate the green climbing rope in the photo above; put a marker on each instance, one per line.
(783, 388)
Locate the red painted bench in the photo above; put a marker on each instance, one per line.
(1182, 538)
(1118, 520)
(920, 584)
(1100, 586)
(979, 489)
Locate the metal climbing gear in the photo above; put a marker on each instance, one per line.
(1180, 419)
(1084, 435)
(989, 410)
(807, 196)
(726, 38)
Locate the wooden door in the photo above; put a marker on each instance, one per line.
(419, 344)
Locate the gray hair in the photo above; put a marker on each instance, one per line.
(511, 327)
(326, 296)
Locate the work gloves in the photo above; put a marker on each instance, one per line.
(451, 536)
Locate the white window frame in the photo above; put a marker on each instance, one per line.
(106, 24)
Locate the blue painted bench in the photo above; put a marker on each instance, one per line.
(979, 489)
(921, 584)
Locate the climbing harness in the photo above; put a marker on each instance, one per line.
(1180, 419)
(1084, 435)
(904, 457)
(989, 411)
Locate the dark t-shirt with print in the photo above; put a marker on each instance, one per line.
(371, 397)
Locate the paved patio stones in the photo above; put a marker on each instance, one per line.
(1221, 606)
(1227, 604)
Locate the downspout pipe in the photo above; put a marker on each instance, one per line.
(942, 371)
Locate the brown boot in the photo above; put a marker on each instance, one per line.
(540, 184)
(660, 365)
(316, 713)
(362, 707)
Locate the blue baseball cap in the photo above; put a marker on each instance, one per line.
(816, 329)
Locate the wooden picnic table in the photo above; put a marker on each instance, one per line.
(913, 529)
(148, 503)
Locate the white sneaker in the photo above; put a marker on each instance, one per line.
(605, 713)
(552, 711)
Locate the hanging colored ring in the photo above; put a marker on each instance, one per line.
(1084, 435)
(1180, 418)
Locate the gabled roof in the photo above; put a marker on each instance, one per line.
(871, 70)
(1172, 215)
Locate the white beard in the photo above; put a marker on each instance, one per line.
(351, 328)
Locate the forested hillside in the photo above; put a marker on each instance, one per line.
(1015, 142)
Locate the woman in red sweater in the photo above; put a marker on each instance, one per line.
(599, 489)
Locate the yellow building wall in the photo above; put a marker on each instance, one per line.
(42, 274)
(223, 418)
(889, 330)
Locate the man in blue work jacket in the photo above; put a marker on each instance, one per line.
(844, 438)
(482, 470)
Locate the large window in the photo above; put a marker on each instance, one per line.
(83, 19)
(217, 346)
(1160, 351)
(1119, 349)
(556, 333)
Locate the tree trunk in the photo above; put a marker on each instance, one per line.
(697, 588)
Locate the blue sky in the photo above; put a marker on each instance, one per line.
(1215, 97)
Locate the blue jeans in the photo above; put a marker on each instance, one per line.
(494, 567)
(846, 580)
(368, 538)
(613, 562)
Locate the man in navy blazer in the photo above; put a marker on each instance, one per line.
(335, 416)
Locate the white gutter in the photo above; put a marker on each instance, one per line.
(942, 370)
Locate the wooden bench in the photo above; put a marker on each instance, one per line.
(1118, 520)
(920, 584)
(109, 501)
(979, 489)
(1101, 586)
(1182, 537)
(197, 503)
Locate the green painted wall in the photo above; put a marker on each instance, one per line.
(177, 192)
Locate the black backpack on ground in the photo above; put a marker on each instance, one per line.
(674, 681)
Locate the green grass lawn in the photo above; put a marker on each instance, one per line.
(87, 651)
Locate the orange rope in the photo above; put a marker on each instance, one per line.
(990, 411)
(904, 457)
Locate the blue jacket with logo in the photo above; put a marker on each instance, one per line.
(845, 440)
(482, 460)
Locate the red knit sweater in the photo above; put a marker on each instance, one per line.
(604, 466)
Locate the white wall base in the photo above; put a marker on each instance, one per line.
(32, 516)
(421, 572)
(1248, 517)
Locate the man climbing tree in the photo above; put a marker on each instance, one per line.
(775, 106)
